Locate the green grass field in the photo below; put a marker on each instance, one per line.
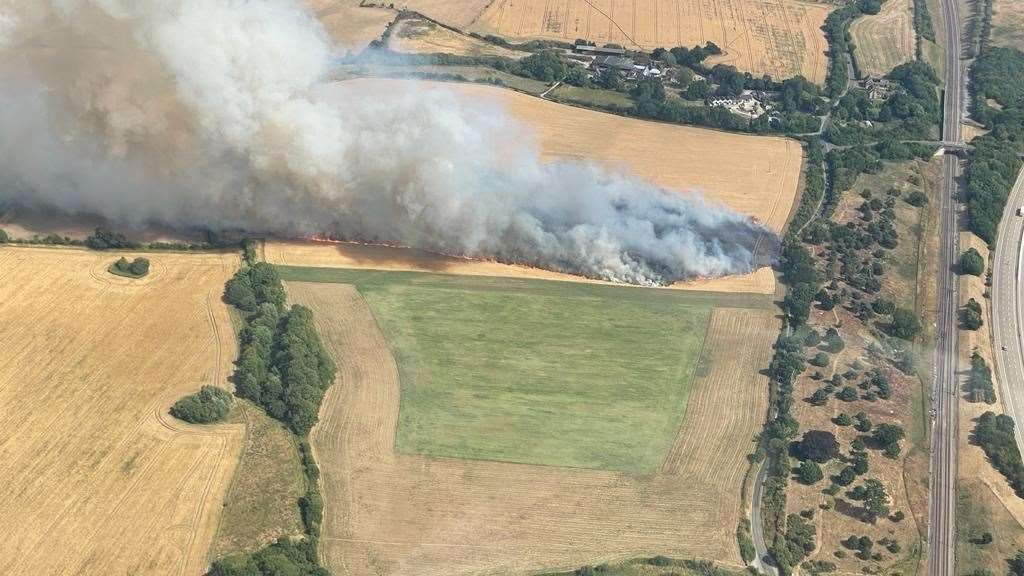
(530, 371)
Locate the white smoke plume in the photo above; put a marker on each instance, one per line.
(215, 113)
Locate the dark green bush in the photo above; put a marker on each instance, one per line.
(972, 263)
(210, 404)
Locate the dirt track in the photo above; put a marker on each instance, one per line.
(95, 477)
(398, 514)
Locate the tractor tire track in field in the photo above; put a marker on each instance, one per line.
(390, 513)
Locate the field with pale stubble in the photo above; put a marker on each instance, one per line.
(96, 478)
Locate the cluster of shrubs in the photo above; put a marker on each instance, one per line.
(994, 433)
(210, 404)
(136, 268)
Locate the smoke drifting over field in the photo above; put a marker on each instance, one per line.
(215, 113)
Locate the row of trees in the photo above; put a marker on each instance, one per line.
(994, 433)
(282, 365)
(998, 74)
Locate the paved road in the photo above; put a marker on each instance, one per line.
(1007, 274)
(757, 525)
(945, 394)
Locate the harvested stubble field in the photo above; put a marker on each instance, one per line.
(350, 25)
(782, 38)
(418, 36)
(95, 477)
(884, 40)
(393, 513)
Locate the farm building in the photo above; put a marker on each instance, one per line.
(599, 50)
(614, 62)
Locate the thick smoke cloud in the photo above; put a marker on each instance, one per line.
(215, 113)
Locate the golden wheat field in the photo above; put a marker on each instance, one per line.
(884, 40)
(389, 513)
(782, 38)
(96, 477)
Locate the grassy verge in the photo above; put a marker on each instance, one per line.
(979, 510)
(260, 504)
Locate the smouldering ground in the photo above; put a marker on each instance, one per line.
(754, 175)
(96, 477)
(392, 513)
(884, 40)
(780, 38)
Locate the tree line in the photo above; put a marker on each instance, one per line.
(283, 367)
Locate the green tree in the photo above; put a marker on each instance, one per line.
(818, 445)
(210, 404)
(905, 324)
(888, 436)
(876, 500)
(809, 472)
(971, 316)
(972, 263)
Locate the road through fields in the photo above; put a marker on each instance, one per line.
(1006, 306)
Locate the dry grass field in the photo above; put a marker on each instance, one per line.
(419, 36)
(782, 38)
(389, 513)
(884, 40)
(350, 25)
(95, 477)
(1008, 23)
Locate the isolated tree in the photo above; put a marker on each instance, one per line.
(876, 500)
(4, 238)
(972, 263)
(818, 445)
(809, 472)
(888, 436)
(970, 316)
(843, 419)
